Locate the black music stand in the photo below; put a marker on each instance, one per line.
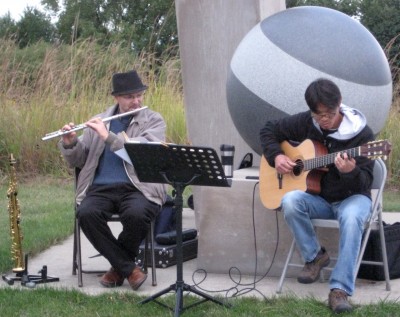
(178, 166)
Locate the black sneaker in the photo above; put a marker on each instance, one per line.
(338, 301)
(311, 270)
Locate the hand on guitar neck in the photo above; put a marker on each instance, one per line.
(344, 163)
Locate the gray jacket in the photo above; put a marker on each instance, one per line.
(84, 153)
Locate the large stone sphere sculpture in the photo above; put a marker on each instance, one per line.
(276, 61)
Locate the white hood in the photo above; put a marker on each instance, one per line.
(353, 122)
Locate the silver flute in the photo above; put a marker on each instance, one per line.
(82, 126)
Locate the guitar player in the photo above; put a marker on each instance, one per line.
(345, 185)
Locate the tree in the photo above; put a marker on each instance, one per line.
(8, 27)
(141, 24)
(34, 26)
(81, 19)
(382, 18)
(152, 25)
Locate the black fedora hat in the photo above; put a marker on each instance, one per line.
(127, 83)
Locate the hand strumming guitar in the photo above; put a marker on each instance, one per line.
(284, 164)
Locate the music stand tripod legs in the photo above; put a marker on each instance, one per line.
(180, 286)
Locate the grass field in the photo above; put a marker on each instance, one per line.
(48, 302)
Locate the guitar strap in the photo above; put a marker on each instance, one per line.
(325, 133)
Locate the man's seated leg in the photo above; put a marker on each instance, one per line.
(299, 208)
(312, 270)
(136, 213)
(94, 212)
(352, 213)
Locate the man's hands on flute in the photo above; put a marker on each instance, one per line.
(68, 138)
(99, 127)
(95, 124)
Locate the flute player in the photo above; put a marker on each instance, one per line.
(107, 185)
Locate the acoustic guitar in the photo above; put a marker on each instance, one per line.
(312, 159)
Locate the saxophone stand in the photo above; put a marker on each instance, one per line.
(29, 280)
(178, 166)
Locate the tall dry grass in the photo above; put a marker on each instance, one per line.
(391, 132)
(43, 87)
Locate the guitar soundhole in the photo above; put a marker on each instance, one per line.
(298, 169)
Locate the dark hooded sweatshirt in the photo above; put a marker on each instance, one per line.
(352, 132)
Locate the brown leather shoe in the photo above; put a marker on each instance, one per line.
(112, 278)
(338, 301)
(137, 278)
(312, 270)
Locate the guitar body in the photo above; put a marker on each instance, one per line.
(274, 186)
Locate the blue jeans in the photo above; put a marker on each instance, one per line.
(299, 207)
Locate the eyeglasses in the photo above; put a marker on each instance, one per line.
(133, 96)
(320, 116)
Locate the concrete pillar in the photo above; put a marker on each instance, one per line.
(209, 32)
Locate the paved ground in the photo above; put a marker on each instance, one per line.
(58, 260)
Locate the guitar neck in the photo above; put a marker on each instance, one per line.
(324, 160)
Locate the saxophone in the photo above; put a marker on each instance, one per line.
(15, 219)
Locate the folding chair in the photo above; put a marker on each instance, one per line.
(77, 254)
(373, 223)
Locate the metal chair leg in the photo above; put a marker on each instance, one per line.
(146, 252)
(289, 257)
(153, 258)
(74, 263)
(78, 254)
(150, 240)
(384, 253)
